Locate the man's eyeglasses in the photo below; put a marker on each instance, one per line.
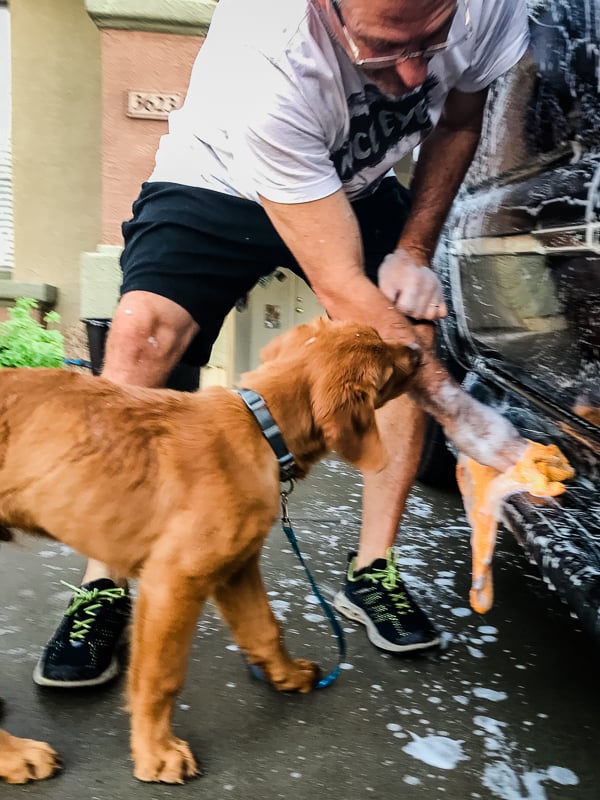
(381, 62)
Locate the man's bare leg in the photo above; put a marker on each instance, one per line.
(374, 594)
(148, 336)
(401, 424)
(143, 348)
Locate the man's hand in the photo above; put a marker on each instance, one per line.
(412, 287)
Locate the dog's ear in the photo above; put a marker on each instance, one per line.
(351, 431)
(344, 394)
(361, 374)
(405, 360)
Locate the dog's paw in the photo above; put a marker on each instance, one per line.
(23, 760)
(169, 764)
(302, 676)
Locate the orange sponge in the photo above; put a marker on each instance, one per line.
(540, 472)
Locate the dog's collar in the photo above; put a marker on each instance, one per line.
(271, 432)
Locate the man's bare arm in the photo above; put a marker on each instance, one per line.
(324, 237)
(443, 161)
(444, 158)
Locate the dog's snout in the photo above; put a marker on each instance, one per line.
(415, 355)
(408, 358)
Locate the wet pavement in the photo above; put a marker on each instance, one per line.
(508, 707)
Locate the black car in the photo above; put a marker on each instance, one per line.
(520, 260)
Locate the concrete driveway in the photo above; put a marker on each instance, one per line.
(508, 708)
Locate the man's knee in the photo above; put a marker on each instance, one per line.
(148, 335)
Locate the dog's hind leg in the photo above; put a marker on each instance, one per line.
(243, 603)
(164, 623)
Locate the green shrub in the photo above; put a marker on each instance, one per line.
(26, 343)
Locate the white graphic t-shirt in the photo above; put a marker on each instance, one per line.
(276, 108)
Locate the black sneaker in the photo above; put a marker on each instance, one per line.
(82, 651)
(377, 597)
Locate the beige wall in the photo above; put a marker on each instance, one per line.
(56, 143)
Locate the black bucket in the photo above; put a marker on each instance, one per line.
(97, 331)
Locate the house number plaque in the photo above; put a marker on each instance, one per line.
(152, 105)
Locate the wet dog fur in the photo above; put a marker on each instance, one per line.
(180, 491)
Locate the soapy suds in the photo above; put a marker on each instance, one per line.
(437, 751)
(507, 777)
(478, 431)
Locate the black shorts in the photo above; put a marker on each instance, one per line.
(206, 250)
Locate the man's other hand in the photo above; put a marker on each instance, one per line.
(413, 288)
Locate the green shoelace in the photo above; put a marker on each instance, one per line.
(89, 601)
(390, 579)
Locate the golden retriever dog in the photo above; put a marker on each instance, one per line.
(180, 491)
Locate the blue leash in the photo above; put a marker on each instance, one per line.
(327, 680)
(77, 362)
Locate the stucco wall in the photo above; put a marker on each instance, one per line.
(137, 61)
(56, 143)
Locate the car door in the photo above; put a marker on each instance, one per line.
(522, 248)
